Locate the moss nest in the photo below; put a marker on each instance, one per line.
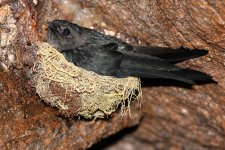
(78, 92)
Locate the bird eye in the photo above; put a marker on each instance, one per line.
(66, 31)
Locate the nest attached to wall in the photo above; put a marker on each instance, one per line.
(78, 92)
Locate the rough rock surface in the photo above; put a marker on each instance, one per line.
(26, 122)
(174, 117)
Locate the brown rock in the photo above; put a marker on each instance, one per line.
(26, 122)
(174, 117)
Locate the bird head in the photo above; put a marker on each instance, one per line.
(63, 35)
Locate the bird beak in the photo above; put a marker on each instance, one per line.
(51, 26)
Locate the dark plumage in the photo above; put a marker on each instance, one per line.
(110, 56)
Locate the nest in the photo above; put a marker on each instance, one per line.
(78, 92)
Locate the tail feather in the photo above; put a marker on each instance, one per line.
(184, 75)
(170, 55)
(195, 75)
(145, 73)
(151, 67)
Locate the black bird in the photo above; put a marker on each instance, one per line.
(110, 56)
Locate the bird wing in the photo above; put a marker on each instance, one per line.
(106, 60)
(102, 59)
(168, 54)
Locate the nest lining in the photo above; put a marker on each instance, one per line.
(78, 92)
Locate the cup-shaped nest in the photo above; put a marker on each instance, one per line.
(78, 92)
